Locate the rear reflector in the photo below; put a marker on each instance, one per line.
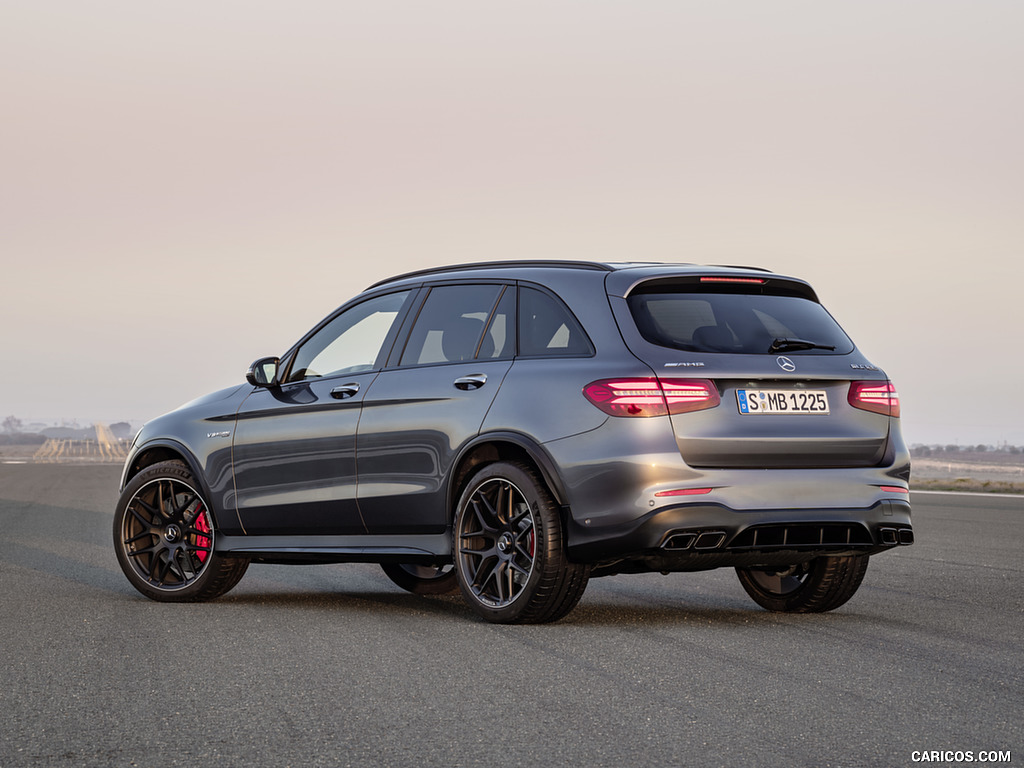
(891, 489)
(685, 492)
(875, 396)
(651, 397)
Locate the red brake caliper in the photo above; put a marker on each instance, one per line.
(202, 541)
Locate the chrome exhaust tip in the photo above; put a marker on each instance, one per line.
(710, 540)
(679, 541)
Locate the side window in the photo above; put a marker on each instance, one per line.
(350, 342)
(547, 327)
(451, 324)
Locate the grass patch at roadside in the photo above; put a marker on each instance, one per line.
(968, 485)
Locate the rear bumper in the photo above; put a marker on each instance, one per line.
(694, 537)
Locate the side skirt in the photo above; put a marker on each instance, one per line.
(420, 549)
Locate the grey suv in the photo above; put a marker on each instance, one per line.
(513, 429)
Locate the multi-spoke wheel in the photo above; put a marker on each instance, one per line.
(813, 587)
(423, 579)
(510, 549)
(164, 538)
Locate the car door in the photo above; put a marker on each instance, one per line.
(294, 457)
(429, 402)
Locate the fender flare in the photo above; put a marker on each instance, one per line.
(537, 453)
(191, 462)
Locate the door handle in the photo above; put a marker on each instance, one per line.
(473, 381)
(344, 391)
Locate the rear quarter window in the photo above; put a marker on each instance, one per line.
(548, 329)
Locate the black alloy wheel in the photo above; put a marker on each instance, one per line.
(164, 538)
(822, 584)
(510, 548)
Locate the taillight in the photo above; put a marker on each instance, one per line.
(651, 397)
(875, 396)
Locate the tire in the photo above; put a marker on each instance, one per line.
(815, 587)
(509, 546)
(164, 538)
(423, 579)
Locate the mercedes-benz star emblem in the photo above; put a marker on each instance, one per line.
(786, 364)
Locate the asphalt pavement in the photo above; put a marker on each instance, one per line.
(335, 666)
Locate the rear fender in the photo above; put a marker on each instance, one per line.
(497, 446)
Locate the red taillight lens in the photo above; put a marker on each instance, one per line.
(627, 397)
(651, 397)
(875, 396)
(684, 395)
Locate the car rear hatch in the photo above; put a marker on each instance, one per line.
(792, 389)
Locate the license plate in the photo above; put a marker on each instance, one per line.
(775, 401)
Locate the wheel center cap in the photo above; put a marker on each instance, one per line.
(172, 533)
(506, 543)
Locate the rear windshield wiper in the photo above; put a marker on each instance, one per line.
(795, 345)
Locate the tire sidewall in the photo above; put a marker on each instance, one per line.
(788, 602)
(441, 584)
(540, 509)
(830, 582)
(168, 470)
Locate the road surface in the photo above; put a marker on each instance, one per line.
(334, 666)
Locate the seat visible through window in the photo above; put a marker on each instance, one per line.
(459, 341)
(450, 325)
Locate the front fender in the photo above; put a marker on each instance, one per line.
(166, 449)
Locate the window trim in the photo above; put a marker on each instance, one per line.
(514, 330)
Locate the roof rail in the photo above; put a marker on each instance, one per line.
(589, 265)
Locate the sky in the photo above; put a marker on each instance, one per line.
(187, 186)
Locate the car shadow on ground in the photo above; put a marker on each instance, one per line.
(589, 613)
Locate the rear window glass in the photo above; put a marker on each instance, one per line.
(736, 323)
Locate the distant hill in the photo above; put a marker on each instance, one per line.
(23, 438)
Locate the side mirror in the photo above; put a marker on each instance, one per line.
(263, 373)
